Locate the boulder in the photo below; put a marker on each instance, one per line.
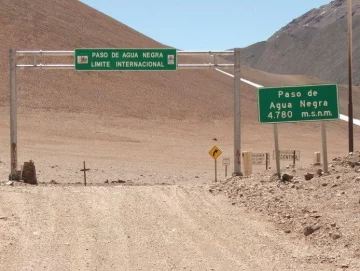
(308, 176)
(29, 173)
(310, 230)
(286, 178)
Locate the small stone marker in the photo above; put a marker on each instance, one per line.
(226, 163)
(29, 173)
(317, 158)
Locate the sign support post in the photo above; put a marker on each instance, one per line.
(267, 160)
(350, 105)
(237, 132)
(215, 153)
(324, 146)
(277, 151)
(294, 158)
(215, 170)
(13, 116)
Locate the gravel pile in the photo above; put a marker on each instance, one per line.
(321, 208)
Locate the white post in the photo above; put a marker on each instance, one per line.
(13, 114)
(237, 131)
(247, 159)
(277, 151)
(317, 158)
(324, 146)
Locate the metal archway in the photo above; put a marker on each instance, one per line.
(14, 173)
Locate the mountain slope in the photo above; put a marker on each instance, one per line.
(70, 24)
(314, 44)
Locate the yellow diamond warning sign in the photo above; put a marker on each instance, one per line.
(215, 152)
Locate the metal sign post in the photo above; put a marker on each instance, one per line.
(13, 116)
(297, 104)
(237, 115)
(267, 160)
(215, 152)
(294, 158)
(324, 146)
(350, 106)
(215, 170)
(277, 151)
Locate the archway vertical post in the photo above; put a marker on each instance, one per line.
(237, 114)
(350, 94)
(13, 115)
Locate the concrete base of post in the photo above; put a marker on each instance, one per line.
(15, 176)
(247, 159)
(317, 158)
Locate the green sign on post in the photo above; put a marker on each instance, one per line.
(162, 59)
(298, 103)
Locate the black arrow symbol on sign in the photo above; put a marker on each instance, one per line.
(215, 152)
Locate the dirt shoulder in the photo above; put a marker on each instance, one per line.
(322, 212)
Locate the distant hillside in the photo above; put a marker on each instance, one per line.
(314, 44)
(70, 24)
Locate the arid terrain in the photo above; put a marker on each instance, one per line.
(313, 44)
(151, 202)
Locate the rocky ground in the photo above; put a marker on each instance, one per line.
(320, 208)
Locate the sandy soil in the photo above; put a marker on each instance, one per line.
(160, 227)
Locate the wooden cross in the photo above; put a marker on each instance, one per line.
(85, 169)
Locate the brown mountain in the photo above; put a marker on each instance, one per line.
(70, 24)
(313, 44)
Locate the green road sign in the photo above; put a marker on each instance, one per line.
(298, 103)
(125, 59)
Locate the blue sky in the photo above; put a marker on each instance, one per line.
(205, 24)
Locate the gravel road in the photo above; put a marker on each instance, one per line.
(149, 227)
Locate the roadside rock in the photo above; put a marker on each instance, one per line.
(319, 172)
(286, 178)
(310, 229)
(308, 176)
(335, 235)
